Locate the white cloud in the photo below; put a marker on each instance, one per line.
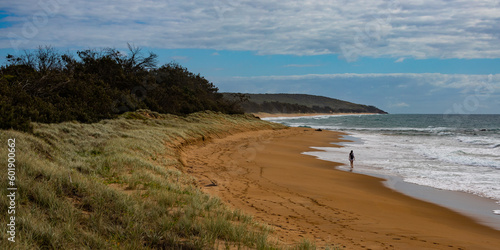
(400, 60)
(457, 81)
(351, 29)
(399, 105)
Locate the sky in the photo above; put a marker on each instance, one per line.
(412, 56)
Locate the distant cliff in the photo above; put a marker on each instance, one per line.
(298, 103)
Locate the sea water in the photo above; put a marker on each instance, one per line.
(448, 152)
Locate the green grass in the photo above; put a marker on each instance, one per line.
(119, 184)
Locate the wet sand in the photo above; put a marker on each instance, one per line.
(264, 174)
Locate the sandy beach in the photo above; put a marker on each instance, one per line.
(265, 115)
(264, 174)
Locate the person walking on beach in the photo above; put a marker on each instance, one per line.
(351, 159)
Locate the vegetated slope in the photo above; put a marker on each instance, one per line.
(300, 103)
(119, 184)
(47, 86)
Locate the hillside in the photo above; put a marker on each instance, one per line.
(300, 103)
(120, 184)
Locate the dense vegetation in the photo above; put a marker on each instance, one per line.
(50, 87)
(299, 103)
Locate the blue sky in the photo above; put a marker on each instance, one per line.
(401, 56)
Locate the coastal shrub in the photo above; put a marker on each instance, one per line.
(47, 86)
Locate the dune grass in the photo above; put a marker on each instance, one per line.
(119, 184)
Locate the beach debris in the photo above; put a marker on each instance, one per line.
(212, 183)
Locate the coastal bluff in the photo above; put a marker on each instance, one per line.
(298, 104)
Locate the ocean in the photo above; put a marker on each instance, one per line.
(446, 152)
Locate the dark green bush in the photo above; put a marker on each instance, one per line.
(49, 87)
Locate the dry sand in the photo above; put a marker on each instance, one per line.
(264, 174)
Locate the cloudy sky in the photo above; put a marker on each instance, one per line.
(412, 56)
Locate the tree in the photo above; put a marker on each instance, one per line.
(47, 86)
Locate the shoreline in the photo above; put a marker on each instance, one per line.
(481, 209)
(478, 208)
(263, 173)
(269, 115)
(484, 210)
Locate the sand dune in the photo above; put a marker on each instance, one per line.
(264, 173)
